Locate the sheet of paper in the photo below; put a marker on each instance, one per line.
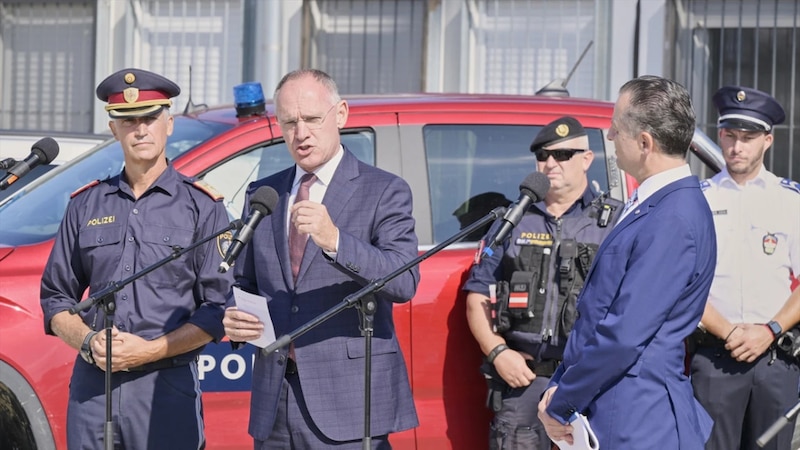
(257, 306)
(582, 435)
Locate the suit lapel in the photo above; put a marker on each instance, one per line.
(279, 230)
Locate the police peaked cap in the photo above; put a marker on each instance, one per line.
(136, 93)
(556, 131)
(749, 109)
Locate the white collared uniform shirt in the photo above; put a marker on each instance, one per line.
(758, 244)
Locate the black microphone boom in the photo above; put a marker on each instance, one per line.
(262, 202)
(532, 189)
(43, 151)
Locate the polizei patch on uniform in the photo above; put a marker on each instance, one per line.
(224, 241)
(101, 221)
(769, 242)
(540, 239)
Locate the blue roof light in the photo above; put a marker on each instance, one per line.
(248, 99)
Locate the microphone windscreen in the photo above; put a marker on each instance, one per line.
(264, 200)
(46, 149)
(535, 186)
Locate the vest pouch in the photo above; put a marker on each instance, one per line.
(569, 297)
(500, 316)
(528, 314)
(520, 298)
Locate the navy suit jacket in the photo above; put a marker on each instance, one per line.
(372, 209)
(624, 362)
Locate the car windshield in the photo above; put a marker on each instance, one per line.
(34, 213)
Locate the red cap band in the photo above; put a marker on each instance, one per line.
(119, 98)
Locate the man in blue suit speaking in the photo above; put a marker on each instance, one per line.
(623, 366)
(338, 224)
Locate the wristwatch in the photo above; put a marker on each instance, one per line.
(775, 328)
(86, 348)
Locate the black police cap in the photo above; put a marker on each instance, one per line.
(136, 93)
(556, 131)
(748, 109)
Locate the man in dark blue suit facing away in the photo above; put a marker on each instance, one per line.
(354, 224)
(623, 367)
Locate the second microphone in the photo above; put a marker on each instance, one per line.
(262, 203)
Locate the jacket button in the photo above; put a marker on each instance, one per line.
(295, 308)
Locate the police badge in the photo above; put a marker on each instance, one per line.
(768, 243)
(224, 242)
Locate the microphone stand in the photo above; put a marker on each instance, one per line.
(106, 298)
(777, 425)
(365, 301)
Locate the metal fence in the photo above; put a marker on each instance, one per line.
(752, 43)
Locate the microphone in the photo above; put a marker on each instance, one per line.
(6, 163)
(42, 152)
(532, 189)
(262, 202)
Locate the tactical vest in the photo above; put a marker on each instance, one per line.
(522, 300)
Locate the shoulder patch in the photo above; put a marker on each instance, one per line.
(84, 188)
(705, 184)
(791, 185)
(207, 189)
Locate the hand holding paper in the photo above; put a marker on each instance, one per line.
(257, 306)
(583, 437)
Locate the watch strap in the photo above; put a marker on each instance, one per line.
(495, 351)
(86, 348)
(775, 328)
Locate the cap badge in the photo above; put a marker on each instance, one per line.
(131, 94)
(769, 242)
(562, 130)
(130, 78)
(741, 96)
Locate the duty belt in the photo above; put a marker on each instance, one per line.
(544, 368)
(701, 338)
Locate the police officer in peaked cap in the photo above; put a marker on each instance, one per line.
(555, 242)
(112, 229)
(740, 375)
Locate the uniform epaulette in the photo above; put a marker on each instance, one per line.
(85, 187)
(207, 189)
(791, 185)
(705, 184)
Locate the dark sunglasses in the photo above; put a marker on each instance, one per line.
(560, 155)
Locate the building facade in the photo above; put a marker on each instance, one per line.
(54, 52)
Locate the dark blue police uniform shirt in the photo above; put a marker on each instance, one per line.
(106, 235)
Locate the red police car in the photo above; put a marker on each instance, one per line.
(451, 148)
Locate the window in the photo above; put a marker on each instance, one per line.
(37, 218)
(474, 168)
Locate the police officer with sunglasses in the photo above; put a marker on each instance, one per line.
(521, 300)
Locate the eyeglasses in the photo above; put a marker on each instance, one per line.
(312, 123)
(560, 155)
